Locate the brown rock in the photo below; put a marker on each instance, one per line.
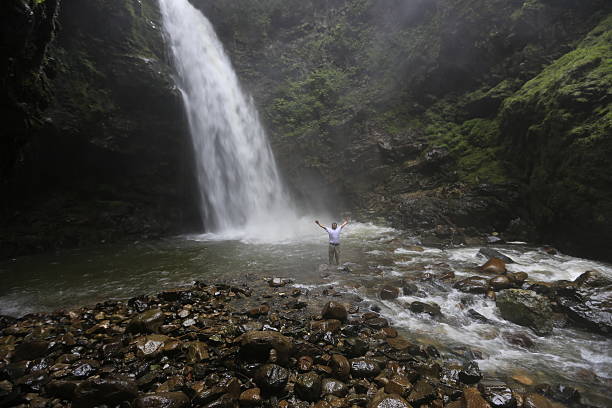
(305, 363)
(399, 343)
(501, 282)
(388, 292)
(518, 277)
(329, 325)
(494, 265)
(340, 366)
(398, 385)
(389, 332)
(162, 400)
(536, 401)
(473, 399)
(146, 322)
(256, 346)
(250, 397)
(334, 310)
(155, 344)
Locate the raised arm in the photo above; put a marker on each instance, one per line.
(319, 224)
(346, 221)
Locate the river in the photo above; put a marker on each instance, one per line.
(375, 255)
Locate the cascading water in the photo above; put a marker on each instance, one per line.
(238, 179)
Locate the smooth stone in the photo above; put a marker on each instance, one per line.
(256, 346)
(340, 366)
(271, 378)
(163, 400)
(473, 284)
(399, 385)
(155, 344)
(364, 368)
(146, 322)
(388, 292)
(250, 397)
(382, 400)
(432, 309)
(493, 253)
(329, 325)
(334, 310)
(308, 386)
(331, 386)
(500, 283)
(494, 265)
(355, 347)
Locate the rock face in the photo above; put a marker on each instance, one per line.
(526, 308)
(98, 139)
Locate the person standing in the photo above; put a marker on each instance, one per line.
(334, 240)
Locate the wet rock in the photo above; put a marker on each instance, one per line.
(378, 323)
(492, 253)
(329, 325)
(518, 339)
(334, 310)
(518, 277)
(590, 308)
(331, 386)
(146, 322)
(473, 284)
(195, 351)
(256, 346)
(155, 344)
(163, 400)
(308, 386)
(431, 309)
(84, 369)
(421, 393)
(104, 391)
(473, 398)
(62, 389)
(593, 279)
(305, 363)
(559, 392)
(399, 385)
(355, 347)
(250, 397)
(388, 292)
(30, 350)
(500, 283)
(526, 308)
(227, 386)
(364, 368)
(382, 400)
(271, 378)
(536, 401)
(258, 311)
(470, 373)
(477, 316)
(409, 288)
(500, 396)
(278, 282)
(494, 265)
(340, 366)
(33, 382)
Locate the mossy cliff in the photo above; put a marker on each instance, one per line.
(452, 117)
(100, 149)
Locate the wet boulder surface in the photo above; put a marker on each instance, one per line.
(225, 357)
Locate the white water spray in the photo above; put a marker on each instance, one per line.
(240, 188)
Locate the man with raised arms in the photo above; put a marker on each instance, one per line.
(334, 240)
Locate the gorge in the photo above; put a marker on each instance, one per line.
(163, 162)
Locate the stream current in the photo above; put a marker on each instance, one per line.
(374, 255)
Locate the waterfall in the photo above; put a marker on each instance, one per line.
(239, 182)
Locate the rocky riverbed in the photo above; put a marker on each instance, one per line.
(265, 343)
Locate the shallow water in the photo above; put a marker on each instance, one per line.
(376, 256)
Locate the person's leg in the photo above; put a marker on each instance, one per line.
(330, 252)
(337, 248)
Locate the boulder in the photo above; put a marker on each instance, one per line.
(526, 308)
(255, 346)
(308, 386)
(334, 310)
(590, 308)
(110, 391)
(388, 292)
(146, 322)
(493, 253)
(593, 279)
(494, 265)
(271, 378)
(163, 400)
(473, 284)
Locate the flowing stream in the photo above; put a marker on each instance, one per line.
(375, 256)
(240, 188)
